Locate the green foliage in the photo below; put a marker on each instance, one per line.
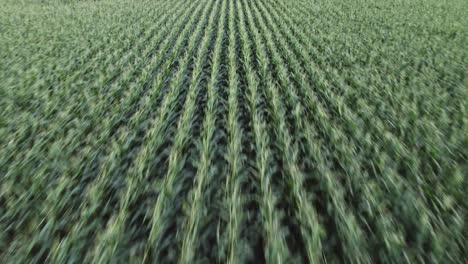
(233, 131)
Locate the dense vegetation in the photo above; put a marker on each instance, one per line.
(233, 131)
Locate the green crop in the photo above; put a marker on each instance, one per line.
(233, 131)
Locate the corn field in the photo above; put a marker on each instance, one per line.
(233, 131)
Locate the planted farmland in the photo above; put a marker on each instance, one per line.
(233, 131)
